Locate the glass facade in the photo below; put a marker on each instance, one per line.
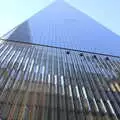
(48, 83)
(61, 25)
(52, 79)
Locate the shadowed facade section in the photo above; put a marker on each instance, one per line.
(22, 33)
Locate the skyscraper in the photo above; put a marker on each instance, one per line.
(45, 73)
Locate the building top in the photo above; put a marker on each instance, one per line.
(61, 25)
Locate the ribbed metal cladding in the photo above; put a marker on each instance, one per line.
(45, 83)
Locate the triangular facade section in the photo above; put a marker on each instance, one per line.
(61, 25)
(20, 33)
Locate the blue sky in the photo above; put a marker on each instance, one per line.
(13, 12)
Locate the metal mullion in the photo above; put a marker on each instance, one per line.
(9, 83)
(1, 46)
(111, 96)
(116, 83)
(55, 81)
(45, 85)
(90, 87)
(106, 95)
(27, 82)
(16, 101)
(25, 109)
(99, 77)
(19, 92)
(82, 86)
(36, 84)
(100, 84)
(115, 92)
(60, 98)
(78, 77)
(108, 74)
(44, 64)
(110, 63)
(39, 84)
(1, 96)
(114, 64)
(100, 100)
(10, 94)
(16, 79)
(90, 95)
(41, 67)
(117, 67)
(9, 58)
(74, 85)
(1, 62)
(93, 86)
(47, 77)
(65, 79)
(89, 79)
(67, 82)
(56, 77)
(25, 61)
(42, 81)
(61, 89)
(4, 77)
(56, 72)
(19, 69)
(52, 88)
(108, 66)
(47, 67)
(77, 92)
(6, 69)
(86, 84)
(31, 91)
(4, 50)
(6, 53)
(117, 62)
(20, 60)
(71, 105)
(39, 63)
(16, 58)
(50, 80)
